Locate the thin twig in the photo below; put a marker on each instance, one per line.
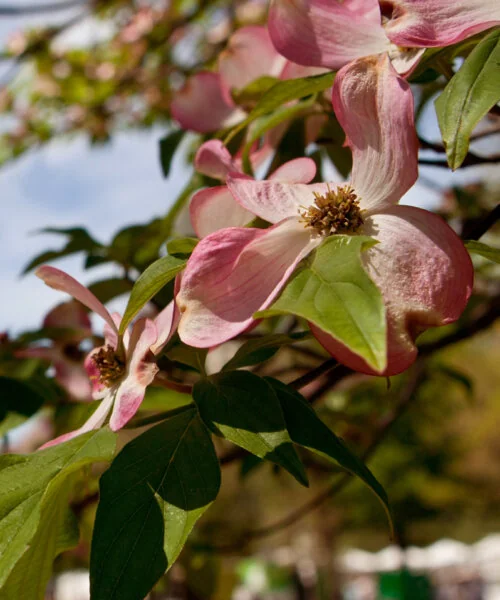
(476, 229)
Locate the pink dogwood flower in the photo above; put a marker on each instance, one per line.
(64, 352)
(204, 103)
(330, 33)
(124, 366)
(420, 266)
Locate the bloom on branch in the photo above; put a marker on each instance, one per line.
(205, 104)
(420, 266)
(331, 34)
(124, 366)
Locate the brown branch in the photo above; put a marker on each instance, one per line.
(476, 229)
(470, 160)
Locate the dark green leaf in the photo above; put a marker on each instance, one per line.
(308, 430)
(258, 350)
(168, 146)
(468, 97)
(149, 283)
(19, 397)
(334, 277)
(151, 497)
(187, 355)
(244, 409)
(484, 250)
(24, 482)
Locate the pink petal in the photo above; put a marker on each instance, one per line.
(295, 71)
(94, 422)
(166, 324)
(375, 108)
(326, 33)
(213, 159)
(273, 200)
(425, 276)
(73, 377)
(404, 60)
(429, 23)
(98, 388)
(203, 105)
(59, 280)
(249, 55)
(71, 315)
(299, 170)
(215, 208)
(141, 370)
(233, 273)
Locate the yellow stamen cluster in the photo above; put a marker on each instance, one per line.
(337, 211)
(111, 367)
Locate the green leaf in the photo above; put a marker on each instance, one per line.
(243, 408)
(79, 240)
(468, 97)
(308, 430)
(168, 146)
(283, 92)
(151, 497)
(24, 481)
(263, 124)
(149, 283)
(254, 90)
(190, 356)
(107, 289)
(19, 397)
(484, 250)
(257, 350)
(333, 291)
(58, 531)
(182, 247)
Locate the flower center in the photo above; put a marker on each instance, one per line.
(335, 212)
(110, 366)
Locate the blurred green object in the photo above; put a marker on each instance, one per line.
(402, 585)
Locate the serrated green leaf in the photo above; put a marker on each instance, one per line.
(333, 291)
(468, 97)
(258, 350)
(151, 497)
(283, 92)
(168, 146)
(308, 430)
(149, 283)
(484, 250)
(24, 481)
(243, 408)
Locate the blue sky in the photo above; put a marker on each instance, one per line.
(68, 183)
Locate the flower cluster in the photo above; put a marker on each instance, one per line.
(418, 264)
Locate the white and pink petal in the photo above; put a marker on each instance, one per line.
(326, 33)
(430, 23)
(232, 274)
(374, 106)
